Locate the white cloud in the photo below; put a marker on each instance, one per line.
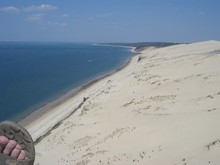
(9, 9)
(40, 8)
(35, 17)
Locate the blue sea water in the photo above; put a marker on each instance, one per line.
(33, 73)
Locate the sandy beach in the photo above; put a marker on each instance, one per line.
(161, 109)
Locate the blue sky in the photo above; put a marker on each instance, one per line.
(110, 20)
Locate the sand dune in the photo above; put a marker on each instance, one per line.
(163, 108)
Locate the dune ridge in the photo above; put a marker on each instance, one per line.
(163, 108)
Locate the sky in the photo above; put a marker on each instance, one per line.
(110, 20)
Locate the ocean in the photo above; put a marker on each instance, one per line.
(35, 73)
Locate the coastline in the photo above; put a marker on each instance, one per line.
(47, 110)
(162, 108)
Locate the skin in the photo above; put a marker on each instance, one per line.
(11, 148)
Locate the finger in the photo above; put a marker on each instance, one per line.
(16, 151)
(9, 147)
(3, 142)
(22, 155)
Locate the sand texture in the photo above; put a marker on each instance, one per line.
(162, 109)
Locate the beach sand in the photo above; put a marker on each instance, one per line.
(162, 109)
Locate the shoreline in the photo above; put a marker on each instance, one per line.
(48, 108)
